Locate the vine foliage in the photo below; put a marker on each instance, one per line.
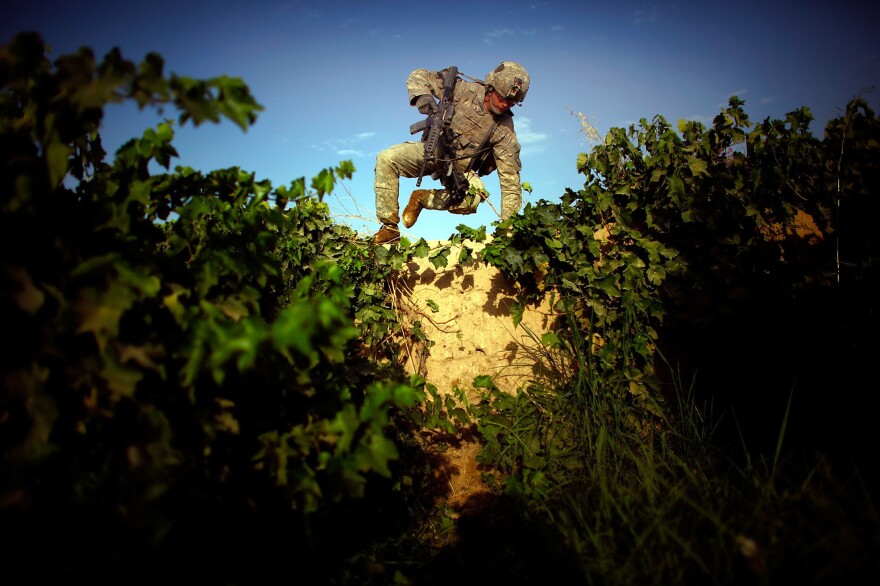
(689, 249)
(188, 353)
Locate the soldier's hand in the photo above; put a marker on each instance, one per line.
(426, 104)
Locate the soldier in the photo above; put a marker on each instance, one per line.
(483, 140)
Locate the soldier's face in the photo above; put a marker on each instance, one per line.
(496, 104)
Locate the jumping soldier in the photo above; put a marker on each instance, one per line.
(479, 139)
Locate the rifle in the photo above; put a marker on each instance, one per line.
(437, 135)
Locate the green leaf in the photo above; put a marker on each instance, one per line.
(698, 167)
(656, 274)
(553, 243)
(193, 100)
(294, 329)
(658, 174)
(676, 188)
(550, 339)
(323, 183)
(513, 258)
(57, 154)
(609, 286)
(516, 312)
(420, 249)
(440, 258)
(345, 169)
(298, 188)
(342, 429)
(484, 381)
(120, 380)
(235, 102)
(375, 456)
(101, 311)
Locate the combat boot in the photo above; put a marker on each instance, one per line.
(387, 234)
(414, 207)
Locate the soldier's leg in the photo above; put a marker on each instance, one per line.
(401, 160)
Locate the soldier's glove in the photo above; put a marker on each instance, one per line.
(426, 104)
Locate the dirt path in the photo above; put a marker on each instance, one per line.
(466, 315)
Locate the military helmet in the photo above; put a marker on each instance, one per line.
(510, 80)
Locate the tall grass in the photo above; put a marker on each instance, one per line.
(658, 502)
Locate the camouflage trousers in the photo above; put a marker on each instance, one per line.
(405, 160)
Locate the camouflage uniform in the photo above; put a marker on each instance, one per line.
(470, 126)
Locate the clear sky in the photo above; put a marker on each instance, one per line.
(331, 75)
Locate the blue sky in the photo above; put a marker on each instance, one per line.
(331, 75)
